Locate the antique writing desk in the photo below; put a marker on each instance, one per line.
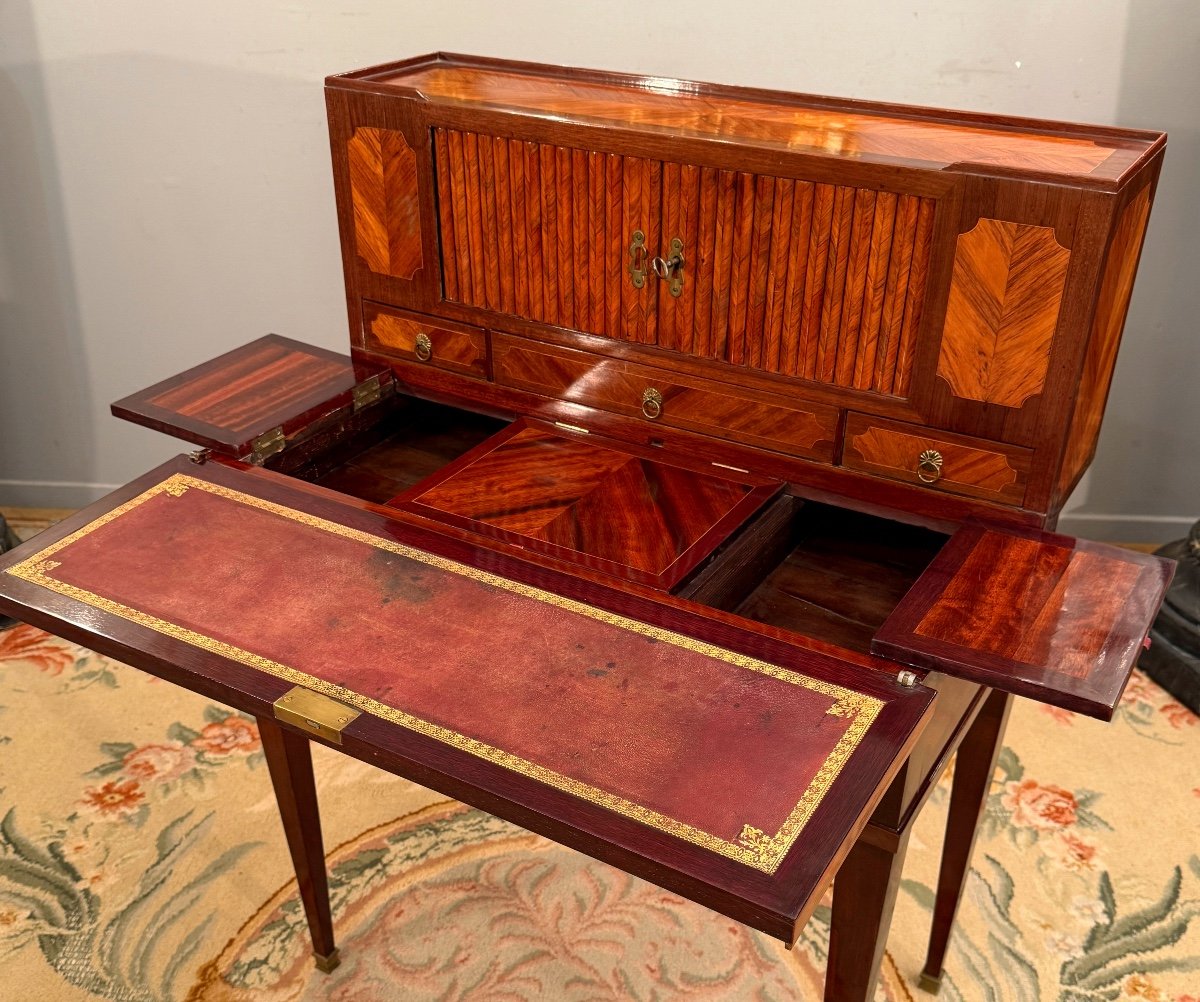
(687, 495)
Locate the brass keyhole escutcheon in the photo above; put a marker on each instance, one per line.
(929, 466)
(423, 348)
(670, 270)
(637, 259)
(652, 403)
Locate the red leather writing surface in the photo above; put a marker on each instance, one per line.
(715, 747)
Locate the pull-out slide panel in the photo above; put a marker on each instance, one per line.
(1058, 619)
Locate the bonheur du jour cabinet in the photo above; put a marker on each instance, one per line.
(688, 492)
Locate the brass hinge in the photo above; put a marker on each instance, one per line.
(267, 444)
(366, 393)
(315, 713)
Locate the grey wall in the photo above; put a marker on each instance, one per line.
(165, 190)
(1145, 480)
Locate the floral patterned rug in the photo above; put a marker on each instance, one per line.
(141, 860)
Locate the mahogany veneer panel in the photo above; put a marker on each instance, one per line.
(226, 403)
(543, 232)
(643, 516)
(873, 132)
(179, 573)
(1058, 619)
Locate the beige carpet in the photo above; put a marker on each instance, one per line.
(141, 859)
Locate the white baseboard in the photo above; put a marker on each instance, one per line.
(51, 493)
(1125, 528)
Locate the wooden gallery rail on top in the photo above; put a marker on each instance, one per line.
(767, 403)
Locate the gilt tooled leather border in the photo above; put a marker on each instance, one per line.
(753, 848)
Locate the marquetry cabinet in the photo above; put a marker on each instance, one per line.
(926, 298)
(686, 495)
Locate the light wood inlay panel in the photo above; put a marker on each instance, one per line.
(383, 189)
(1005, 297)
(825, 282)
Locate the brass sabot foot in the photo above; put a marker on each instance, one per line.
(928, 983)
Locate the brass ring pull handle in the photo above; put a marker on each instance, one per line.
(670, 270)
(423, 348)
(929, 466)
(637, 259)
(652, 403)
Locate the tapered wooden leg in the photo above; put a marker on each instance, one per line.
(864, 894)
(973, 770)
(289, 759)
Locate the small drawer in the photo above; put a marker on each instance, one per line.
(937, 460)
(660, 396)
(441, 344)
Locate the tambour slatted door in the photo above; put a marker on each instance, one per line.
(817, 281)
(544, 232)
